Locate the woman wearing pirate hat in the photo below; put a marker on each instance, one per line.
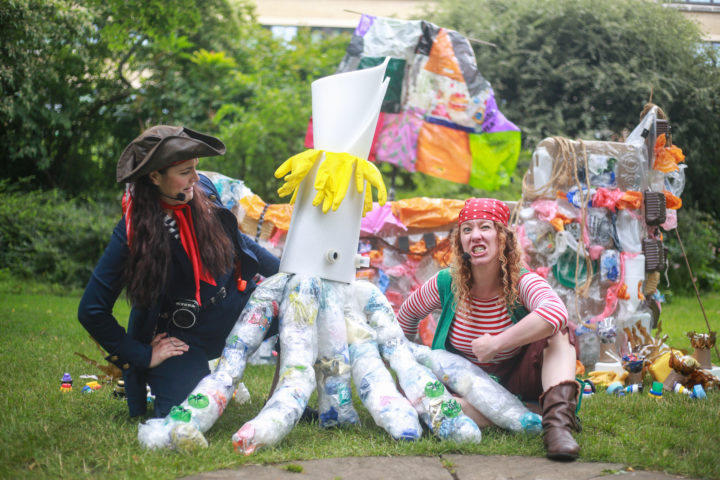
(504, 319)
(186, 268)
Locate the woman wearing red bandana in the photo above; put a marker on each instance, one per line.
(186, 268)
(504, 319)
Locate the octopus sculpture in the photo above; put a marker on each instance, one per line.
(334, 330)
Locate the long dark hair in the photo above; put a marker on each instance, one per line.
(148, 265)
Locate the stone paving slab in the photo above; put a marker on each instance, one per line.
(447, 467)
(497, 467)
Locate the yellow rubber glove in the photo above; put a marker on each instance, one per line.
(325, 195)
(294, 169)
(606, 377)
(333, 179)
(366, 171)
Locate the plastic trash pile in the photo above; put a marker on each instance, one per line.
(407, 241)
(591, 222)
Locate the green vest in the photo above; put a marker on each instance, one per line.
(447, 299)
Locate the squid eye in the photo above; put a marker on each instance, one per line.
(180, 414)
(434, 389)
(198, 401)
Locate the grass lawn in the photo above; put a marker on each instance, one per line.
(47, 433)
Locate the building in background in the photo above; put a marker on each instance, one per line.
(284, 17)
(706, 13)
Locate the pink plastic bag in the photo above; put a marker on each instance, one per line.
(397, 141)
(670, 220)
(381, 219)
(546, 209)
(606, 198)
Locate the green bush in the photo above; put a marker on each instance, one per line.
(46, 236)
(700, 236)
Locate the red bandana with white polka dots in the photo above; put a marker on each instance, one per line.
(484, 209)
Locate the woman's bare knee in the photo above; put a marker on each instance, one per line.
(473, 412)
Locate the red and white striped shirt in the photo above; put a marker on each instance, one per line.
(484, 316)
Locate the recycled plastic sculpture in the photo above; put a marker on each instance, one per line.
(332, 328)
(589, 222)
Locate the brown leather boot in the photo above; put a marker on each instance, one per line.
(558, 418)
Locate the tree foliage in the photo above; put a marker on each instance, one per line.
(270, 126)
(578, 69)
(35, 241)
(51, 84)
(80, 81)
(697, 239)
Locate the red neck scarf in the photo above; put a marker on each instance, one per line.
(183, 216)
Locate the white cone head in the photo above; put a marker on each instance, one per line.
(345, 110)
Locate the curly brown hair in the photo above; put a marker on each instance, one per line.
(510, 266)
(148, 265)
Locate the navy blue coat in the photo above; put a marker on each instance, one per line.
(130, 350)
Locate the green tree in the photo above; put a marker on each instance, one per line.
(698, 235)
(271, 126)
(79, 81)
(51, 59)
(76, 89)
(580, 70)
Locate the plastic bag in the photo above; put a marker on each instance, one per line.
(630, 231)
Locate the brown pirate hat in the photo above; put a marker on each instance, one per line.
(162, 145)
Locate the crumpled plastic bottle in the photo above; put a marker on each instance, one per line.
(413, 377)
(376, 387)
(600, 227)
(332, 368)
(589, 346)
(609, 267)
(601, 170)
(485, 394)
(675, 181)
(208, 399)
(298, 344)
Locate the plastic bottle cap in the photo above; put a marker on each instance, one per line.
(451, 408)
(180, 414)
(615, 388)
(198, 401)
(699, 392)
(434, 389)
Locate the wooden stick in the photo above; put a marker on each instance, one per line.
(697, 293)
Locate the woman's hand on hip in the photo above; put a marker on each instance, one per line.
(485, 347)
(164, 347)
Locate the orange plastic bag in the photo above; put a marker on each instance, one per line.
(278, 214)
(426, 329)
(666, 158)
(630, 200)
(671, 201)
(423, 212)
(444, 152)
